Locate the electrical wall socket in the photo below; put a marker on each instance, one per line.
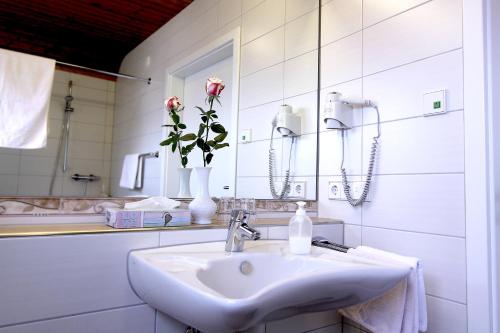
(298, 189)
(335, 191)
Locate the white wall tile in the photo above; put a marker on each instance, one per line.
(36, 166)
(87, 150)
(263, 52)
(259, 119)
(332, 232)
(9, 184)
(263, 18)
(262, 87)
(125, 320)
(431, 203)
(249, 4)
(301, 74)
(301, 35)
(330, 152)
(296, 8)
(228, 10)
(399, 97)
(167, 324)
(418, 145)
(45, 272)
(352, 235)
(259, 152)
(375, 10)
(341, 18)
(87, 132)
(446, 316)
(395, 42)
(9, 164)
(443, 258)
(303, 323)
(337, 328)
(341, 61)
(305, 106)
(168, 238)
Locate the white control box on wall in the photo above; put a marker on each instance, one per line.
(434, 103)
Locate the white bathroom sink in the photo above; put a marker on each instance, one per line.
(217, 292)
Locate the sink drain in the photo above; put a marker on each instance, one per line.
(246, 268)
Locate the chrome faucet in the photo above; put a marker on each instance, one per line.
(239, 230)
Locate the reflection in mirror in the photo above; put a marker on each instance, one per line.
(267, 56)
(188, 81)
(80, 125)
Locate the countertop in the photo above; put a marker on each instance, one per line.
(29, 230)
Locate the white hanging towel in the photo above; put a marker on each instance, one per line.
(25, 88)
(131, 172)
(401, 310)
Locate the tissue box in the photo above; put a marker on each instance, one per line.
(122, 219)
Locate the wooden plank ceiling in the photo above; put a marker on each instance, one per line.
(91, 33)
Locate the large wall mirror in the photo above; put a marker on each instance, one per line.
(269, 107)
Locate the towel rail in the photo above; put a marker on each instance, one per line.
(323, 242)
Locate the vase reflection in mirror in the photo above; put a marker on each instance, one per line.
(202, 207)
(184, 183)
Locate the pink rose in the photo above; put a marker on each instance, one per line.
(173, 103)
(214, 86)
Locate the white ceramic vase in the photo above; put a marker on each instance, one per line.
(184, 186)
(202, 207)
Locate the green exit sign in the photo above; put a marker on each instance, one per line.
(437, 105)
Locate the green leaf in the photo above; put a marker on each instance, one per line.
(211, 143)
(220, 137)
(215, 116)
(182, 126)
(200, 143)
(175, 128)
(188, 137)
(201, 110)
(221, 145)
(209, 158)
(167, 142)
(217, 128)
(174, 146)
(204, 119)
(201, 129)
(167, 125)
(176, 118)
(184, 161)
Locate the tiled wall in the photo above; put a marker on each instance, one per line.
(393, 52)
(29, 172)
(278, 65)
(388, 51)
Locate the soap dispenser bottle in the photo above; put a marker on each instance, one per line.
(300, 231)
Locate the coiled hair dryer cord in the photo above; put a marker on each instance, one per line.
(371, 164)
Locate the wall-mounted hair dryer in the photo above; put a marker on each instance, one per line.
(287, 122)
(338, 115)
(289, 125)
(338, 111)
